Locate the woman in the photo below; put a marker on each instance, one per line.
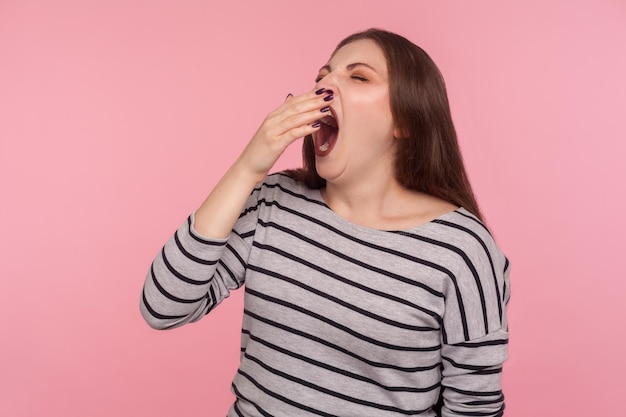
(372, 286)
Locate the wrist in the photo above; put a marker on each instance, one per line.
(246, 174)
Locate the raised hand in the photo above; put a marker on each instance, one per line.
(297, 117)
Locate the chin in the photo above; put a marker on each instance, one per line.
(329, 170)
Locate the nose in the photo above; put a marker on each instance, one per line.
(328, 82)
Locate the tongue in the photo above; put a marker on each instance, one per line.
(325, 140)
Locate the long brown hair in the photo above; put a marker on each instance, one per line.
(428, 157)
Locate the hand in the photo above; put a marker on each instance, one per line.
(294, 119)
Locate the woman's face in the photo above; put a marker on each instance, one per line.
(357, 140)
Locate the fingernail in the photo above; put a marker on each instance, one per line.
(328, 98)
(325, 109)
(316, 124)
(320, 91)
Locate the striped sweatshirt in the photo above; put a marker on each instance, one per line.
(341, 319)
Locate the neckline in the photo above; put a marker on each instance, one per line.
(317, 195)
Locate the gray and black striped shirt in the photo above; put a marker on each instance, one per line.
(344, 320)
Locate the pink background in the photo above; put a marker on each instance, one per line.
(117, 117)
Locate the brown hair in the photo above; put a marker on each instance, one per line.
(428, 157)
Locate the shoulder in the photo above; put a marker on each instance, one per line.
(461, 245)
(478, 289)
(281, 179)
(281, 187)
(477, 260)
(467, 233)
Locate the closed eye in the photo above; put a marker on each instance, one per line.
(359, 78)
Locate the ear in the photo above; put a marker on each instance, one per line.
(400, 133)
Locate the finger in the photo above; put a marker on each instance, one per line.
(314, 93)
(312, 116)
(300, 132)
(305, 101)
(297, 111)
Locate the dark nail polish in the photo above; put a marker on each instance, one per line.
(325, 109)
(320, 91)
(316, 124)
(328, 98)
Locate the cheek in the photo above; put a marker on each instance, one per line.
(374, 104)
(368, 113)
(376, 118)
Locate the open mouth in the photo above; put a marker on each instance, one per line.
(326, 137)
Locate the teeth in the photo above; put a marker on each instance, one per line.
(329, 121)
(324, 147)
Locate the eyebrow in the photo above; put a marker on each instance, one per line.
(350, 67)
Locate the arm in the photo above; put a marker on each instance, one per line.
(202, 261)
(472, 376)
(475, 346)
(219, 212)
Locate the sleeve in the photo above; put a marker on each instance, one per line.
(475, 339)
(192, 274)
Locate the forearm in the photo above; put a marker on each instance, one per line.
(294, 119)
(217, 215)
(200, 263)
